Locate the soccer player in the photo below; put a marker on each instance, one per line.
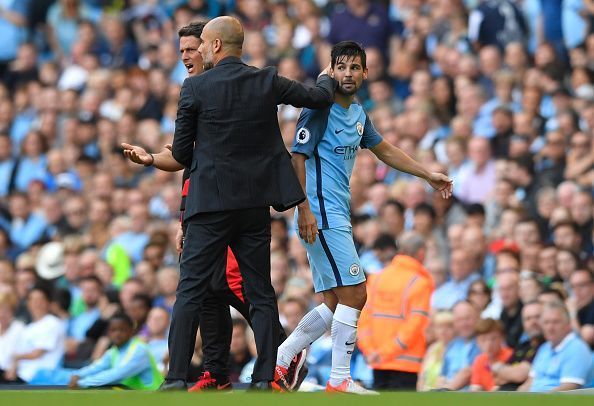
(324, 151)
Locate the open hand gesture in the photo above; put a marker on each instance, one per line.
(137, 154)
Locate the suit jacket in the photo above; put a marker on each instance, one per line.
(227, 133)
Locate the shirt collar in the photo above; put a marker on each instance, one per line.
(564, 342)
(228, 60)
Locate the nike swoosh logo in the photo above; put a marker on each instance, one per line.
(225, 386)
(338, 131)
(347, 343)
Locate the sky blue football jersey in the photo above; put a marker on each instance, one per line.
(330, 138)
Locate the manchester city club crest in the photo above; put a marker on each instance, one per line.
(354, 269)
(359, 128)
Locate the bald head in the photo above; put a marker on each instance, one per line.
(228, 29)
(221, 37)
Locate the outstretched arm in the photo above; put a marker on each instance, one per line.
(298, 95)
(162, 160)
(398, 159)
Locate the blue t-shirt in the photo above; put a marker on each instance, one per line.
(568, 362)
(460, 353)
(332, 137)
(12, 35)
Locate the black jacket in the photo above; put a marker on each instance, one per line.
(239, 160)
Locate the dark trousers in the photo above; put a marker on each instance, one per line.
(216, 327)
(208, 235)
(394, 380)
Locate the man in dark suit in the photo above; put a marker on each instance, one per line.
(227, 133)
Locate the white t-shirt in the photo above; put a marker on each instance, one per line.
(8, 343)
(47, 333)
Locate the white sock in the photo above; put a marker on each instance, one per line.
(311, 327)
(344, 335)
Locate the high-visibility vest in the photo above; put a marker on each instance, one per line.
(394, 320)
(134, 382)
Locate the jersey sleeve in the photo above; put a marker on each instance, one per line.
(311, 127)
(370, 137)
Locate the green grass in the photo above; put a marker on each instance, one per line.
(125, 398)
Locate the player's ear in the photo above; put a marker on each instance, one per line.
(365, 71)
(217, 45)
(331, 73)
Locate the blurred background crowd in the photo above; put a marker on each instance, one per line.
(498, 94)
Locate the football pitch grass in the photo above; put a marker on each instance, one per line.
(129, 398)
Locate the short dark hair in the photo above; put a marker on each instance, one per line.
(43, 288)
(396, 204)
(122, 317)
(571, 224)
(91, 278)
(425, 208)
(194, 29)
(349, 49)
(475, 209)
(145, 299)
(384, 241)
(525, 162)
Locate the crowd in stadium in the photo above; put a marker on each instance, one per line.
(498, 94)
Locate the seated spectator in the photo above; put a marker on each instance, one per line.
(443, 327)
(10, 332)
(508, 287)
(530, 287)
(77, 347)
(564, 361)
(157, 325)
(490, 337)
(239, 353)
(456, 289)
(167, 279)
(462, 350)
(479, 294)
(128, 363)
(582, 304)
(41, 345)
(514, 372)
(138, 311)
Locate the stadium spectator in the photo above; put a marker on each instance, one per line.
(41, 345)
(581, 304)
(128, 363)
(396, 365)
(77, 347)
(443, 328)
(462, 350)
(479, 295)
(564, 361)
(10, 332)
(508, 287)
(456, 289)
(513, 372)
(490, 337)
(157, 324)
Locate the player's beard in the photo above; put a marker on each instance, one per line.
(207, 60)
(348, 92)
